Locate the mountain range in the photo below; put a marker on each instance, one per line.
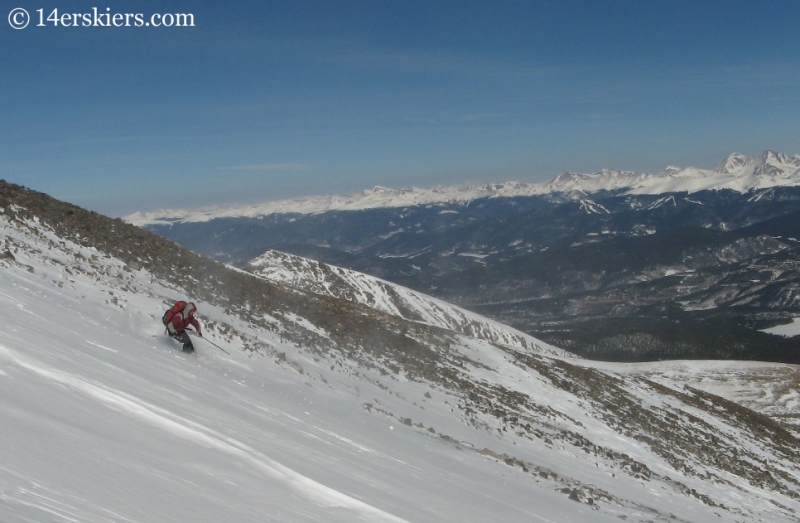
(342, 397)
(737, 172)
(685, 263)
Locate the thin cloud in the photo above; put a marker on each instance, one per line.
(269, 167)
(480, 117)
(457, 64)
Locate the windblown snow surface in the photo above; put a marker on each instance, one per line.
(103, 419)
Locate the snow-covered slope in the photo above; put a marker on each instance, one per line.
(389, 298)
(778, 392)
(737, 172)
(103, 419)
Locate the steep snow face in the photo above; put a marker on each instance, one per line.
(103, 419)
(738, 172)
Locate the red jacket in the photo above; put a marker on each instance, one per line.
(183, 319)
(179, 323)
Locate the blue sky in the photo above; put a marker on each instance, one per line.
(268, 100)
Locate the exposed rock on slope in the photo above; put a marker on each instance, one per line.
(619, 441)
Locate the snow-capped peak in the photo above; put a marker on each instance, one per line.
(605, 179)
(732, 164)
(737, 172)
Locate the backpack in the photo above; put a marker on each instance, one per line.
(175, 309)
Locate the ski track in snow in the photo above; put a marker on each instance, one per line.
(202, 436)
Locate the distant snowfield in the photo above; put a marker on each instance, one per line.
(789, 330)
(103, 419)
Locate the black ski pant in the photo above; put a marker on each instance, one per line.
(184, 338)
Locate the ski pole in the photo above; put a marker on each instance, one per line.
(217, 346)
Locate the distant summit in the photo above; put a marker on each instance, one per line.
(737, 172)
(732, 163)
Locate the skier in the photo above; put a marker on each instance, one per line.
(177, 319)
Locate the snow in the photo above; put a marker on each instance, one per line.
(738, 172)
(789, 330)
(105, 420)
(769, 388)
(592, 207)
(387, 297)
(368, 199)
